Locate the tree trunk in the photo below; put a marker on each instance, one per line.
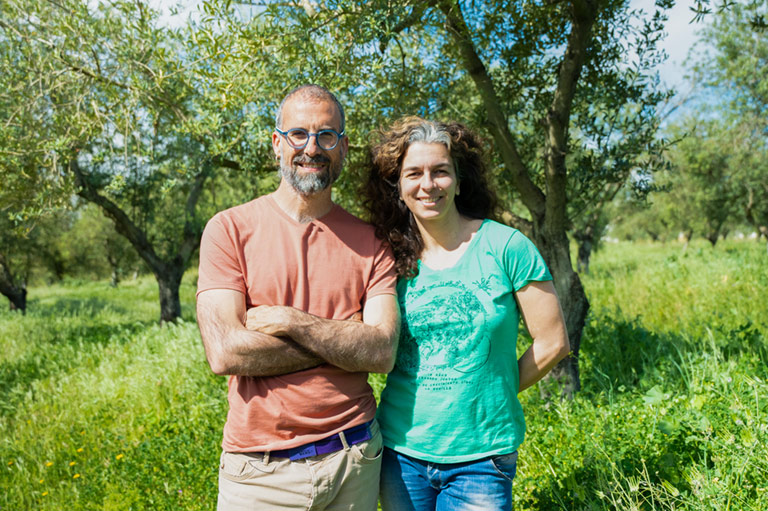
(582, 257)
(18, 300)
(687, 237)
(115, 278)
(16, 293)
(556, 252)
(168, 271)
(548, 211)
(168, 283)
(585, 239)
(114, 264)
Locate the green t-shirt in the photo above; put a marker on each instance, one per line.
(452, 396)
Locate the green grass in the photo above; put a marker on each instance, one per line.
(673, 410)
(102, 408)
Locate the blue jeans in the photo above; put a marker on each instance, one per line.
(410, 484)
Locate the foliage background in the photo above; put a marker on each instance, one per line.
(102, 408)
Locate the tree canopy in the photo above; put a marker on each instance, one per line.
(140, 119)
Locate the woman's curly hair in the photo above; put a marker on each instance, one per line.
(389, 215)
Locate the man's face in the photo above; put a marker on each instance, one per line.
(311, 169)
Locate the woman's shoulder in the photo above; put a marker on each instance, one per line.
(503, 239)
(498, 231)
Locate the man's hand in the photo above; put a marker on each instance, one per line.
(271, 319)
(277, 319)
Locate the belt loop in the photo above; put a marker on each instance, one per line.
(343, 439)
(265, 459)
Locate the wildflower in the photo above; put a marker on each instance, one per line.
(41, 481)
(80, 450)
(45, 493)
(75, 476)
(10, 463)
(119, 457)
(72, 463)
(50, 463)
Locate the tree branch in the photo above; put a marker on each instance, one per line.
(414, 17)
(123, 223)
(521, 224)
(558, 117)
(192, 233)
(515, 169)
(220, 161)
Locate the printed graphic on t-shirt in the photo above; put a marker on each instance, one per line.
(444, 332)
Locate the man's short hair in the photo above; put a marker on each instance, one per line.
(312, 92)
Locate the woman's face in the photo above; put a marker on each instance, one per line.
(428, 181)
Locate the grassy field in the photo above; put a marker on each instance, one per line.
(102, 408)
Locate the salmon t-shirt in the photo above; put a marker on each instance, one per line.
(328, 267)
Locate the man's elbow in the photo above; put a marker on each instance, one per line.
(219, 365)
(385, 364)
(386, 360)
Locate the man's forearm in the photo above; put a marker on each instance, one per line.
(232, 349)
(255, 354)
(350, 345)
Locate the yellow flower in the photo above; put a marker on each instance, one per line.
(10, 463)
(119, 457)
(41, 481)
(72, 463)
(45, 493)
(75, 476)
(50, 463)
(80, 450)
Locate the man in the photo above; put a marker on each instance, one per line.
(283, 280)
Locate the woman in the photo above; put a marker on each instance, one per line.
(449, 414)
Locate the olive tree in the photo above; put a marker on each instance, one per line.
(100, 100)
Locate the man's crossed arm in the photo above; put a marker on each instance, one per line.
(272, 340)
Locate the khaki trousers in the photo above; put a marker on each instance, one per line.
(343, 480)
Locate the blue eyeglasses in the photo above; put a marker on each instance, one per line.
(298, 138)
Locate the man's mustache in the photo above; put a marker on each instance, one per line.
(304, 159)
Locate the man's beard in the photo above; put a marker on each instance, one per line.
(314, 182)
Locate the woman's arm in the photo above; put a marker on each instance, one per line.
(544, 319)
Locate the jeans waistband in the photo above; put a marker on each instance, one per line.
(333, 443)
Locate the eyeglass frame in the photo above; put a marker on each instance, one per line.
(310, 135)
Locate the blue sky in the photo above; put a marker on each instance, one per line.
(681, 37)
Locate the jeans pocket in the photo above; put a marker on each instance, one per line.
(236, 466)
(505, 464)
(370, 450)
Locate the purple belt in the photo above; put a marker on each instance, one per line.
(354, 435)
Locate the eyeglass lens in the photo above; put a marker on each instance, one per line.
(299, 137)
